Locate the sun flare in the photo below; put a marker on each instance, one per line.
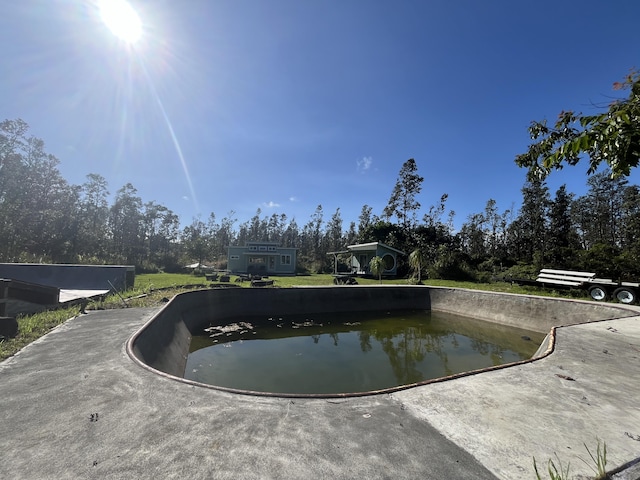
(122, 20)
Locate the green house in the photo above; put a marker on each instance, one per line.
(262, 258)
(362, 254)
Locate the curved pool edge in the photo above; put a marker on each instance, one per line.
(161, 345)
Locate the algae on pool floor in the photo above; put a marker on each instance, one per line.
(350, 352)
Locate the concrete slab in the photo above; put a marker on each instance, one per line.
(586, 390)
(74, 405)
(68, 295)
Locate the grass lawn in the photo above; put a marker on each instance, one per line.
(154, 289)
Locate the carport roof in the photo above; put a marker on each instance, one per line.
(372, 246)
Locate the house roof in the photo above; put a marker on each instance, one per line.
(372, 246)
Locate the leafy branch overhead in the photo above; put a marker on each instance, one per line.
(612, 137)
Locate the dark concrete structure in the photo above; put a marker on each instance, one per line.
(68, 276)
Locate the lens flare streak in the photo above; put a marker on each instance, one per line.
(174, 138)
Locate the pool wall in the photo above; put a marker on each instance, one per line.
(163, 342)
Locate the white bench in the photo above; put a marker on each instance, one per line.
(568, 278)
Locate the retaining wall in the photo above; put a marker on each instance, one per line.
(68, 276)
(163, 343)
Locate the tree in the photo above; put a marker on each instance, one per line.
(364, 222)
(416, 260)
(126, 226)
(403, 203)
(528, 232)
(612, 137)
(38, 208)
(598, 213)
(376, 267)
(351, 236)
(196, 239)
(334, 239)
(94, 214)
(563, 237)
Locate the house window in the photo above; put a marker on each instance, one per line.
(388, 261)
(285, 259)
(256, 260)
(262, 248)
(272, 249)
(235, 257)
(253, 248)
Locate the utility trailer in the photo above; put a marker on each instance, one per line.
(599, 289)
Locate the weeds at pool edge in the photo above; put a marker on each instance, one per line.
(600, 460)
(560, 473)
(554, 474)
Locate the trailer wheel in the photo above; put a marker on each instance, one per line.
(625, 295)
(598, 293)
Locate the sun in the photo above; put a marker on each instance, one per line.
(122, 20)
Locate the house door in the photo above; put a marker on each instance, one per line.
(272, 264)
(364, 265)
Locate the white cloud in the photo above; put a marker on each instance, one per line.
(364, 164)
(293, 199)
(184, 197)
(270, 204)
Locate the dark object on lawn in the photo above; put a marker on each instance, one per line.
(344, 280)
(8, 327)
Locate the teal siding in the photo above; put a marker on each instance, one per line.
(363, 253)
(262, 258)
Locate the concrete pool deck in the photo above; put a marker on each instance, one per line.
(74, 405)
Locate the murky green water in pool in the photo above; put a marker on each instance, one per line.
(352, 352)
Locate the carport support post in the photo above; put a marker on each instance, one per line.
(4, 295)
(8, 325)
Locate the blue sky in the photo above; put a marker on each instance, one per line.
(286, 104)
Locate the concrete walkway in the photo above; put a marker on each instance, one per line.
(74, 405)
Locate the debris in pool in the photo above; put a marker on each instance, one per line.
(525, 337)
(351, 324)
(306, 323)
(216, 330)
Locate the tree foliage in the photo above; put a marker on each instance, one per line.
(403, 203)
(612, 137)
(376, 267)
(43, 218)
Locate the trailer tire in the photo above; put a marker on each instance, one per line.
(625, 295)
(598, 293)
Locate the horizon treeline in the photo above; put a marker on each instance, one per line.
(45, 219)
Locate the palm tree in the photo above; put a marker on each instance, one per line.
(415, 262)
(376, 267)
